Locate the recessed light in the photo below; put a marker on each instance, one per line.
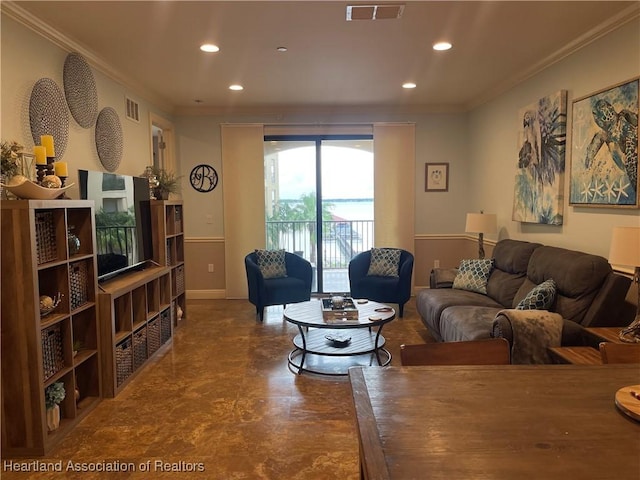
(442, 46)
(409, 85)
(209, 48)
(236, 87)
(281, 49)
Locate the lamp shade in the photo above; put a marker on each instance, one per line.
(625, 246)
(481, 223)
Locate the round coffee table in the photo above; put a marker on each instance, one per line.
(330, 347)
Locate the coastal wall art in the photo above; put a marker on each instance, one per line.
(539, 183)
(604, 148)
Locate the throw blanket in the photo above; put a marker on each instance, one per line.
(533, 332)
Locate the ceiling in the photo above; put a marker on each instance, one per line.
(153, 48)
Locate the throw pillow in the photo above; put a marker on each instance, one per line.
(272, 263)
(384, 262)
(540, 297)
(473, 275)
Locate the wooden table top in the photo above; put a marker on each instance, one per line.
(605, 334)
(495, 422)
(577, 355)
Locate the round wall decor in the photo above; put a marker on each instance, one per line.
(48, 114)
(80, 90)
(203, 178)
(109, 139)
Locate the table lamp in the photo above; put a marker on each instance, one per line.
(481, 223)
(625, 250)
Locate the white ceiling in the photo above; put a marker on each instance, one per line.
(331, 63)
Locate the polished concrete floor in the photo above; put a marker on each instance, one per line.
(222, 399)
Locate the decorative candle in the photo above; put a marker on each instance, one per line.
(41, 154)
(47, 142)
(61, 169)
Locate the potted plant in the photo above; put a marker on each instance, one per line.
(10, 154)
(53, 395)
(167, 183)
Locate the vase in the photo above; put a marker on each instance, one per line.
(74, 243)
(161, 194)
(53, 417)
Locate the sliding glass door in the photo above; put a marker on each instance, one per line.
(319, 202)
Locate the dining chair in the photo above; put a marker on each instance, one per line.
(492, 351)
(620, 352)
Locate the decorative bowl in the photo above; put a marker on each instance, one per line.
(338, 340)
(46, 307)
(33, 191)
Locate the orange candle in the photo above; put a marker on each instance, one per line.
(41, 154)
(47, 142)
(61, 169)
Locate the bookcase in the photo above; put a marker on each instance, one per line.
(167, 222)
(135, 319)
(62, 345)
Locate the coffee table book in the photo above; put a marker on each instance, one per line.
(348, 311)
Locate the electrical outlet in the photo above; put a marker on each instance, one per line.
(209, 219)
(436, 264)
(210, 268)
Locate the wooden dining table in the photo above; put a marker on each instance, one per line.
(495, 422)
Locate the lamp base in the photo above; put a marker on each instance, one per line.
(631, 334)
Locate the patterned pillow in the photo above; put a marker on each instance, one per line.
(384, 262)
(473, 275)
(271, 263)
(540, 297)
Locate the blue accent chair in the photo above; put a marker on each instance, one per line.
(295, 287)
(381, 289)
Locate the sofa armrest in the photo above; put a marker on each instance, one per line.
(573, 334)
(442, 277)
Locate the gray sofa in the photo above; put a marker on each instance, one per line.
(589, 294)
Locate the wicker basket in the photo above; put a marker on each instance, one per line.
(179, 280)
(79, 282)
(154, 335)
(139, 347)
(169, 259)
(52, 355)
(124, 361)
(165, 326)
(45, 237)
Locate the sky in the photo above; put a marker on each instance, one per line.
(346, 172)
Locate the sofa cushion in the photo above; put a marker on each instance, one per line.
(384, 262)
(430, 304)
(510, 269)
(459, 324)
(540, 297)
(272, 263)
(578, 277)
(473, 275)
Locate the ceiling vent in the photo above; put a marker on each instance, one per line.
(374, 12)
(132, 110)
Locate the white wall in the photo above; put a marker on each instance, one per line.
(28, 57)
(493, 129)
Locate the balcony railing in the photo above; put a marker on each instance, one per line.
(119, 240)
(341, 240)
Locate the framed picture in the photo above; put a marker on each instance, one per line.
(604, 148)
(539, 182)
(436, 177)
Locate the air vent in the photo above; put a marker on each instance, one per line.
(132, 109)
(374, 12)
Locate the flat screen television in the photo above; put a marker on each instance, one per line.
(123, 220)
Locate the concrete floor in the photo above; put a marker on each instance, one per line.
(222, 400)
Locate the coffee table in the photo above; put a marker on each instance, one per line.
(315, 353)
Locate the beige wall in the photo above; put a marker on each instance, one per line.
(480, 147)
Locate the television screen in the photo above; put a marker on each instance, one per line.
(123, 220)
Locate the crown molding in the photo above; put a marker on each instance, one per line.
(33, 23)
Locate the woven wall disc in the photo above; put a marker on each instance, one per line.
(80, 90)
(109, 139)
(48, 114)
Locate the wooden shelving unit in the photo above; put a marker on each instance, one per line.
(39, 350)
(135, 319)
(167, 222)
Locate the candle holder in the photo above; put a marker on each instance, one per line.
(64, 194)
(50, 168)
(41, 171)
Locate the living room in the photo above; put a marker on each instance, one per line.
(479, 144)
